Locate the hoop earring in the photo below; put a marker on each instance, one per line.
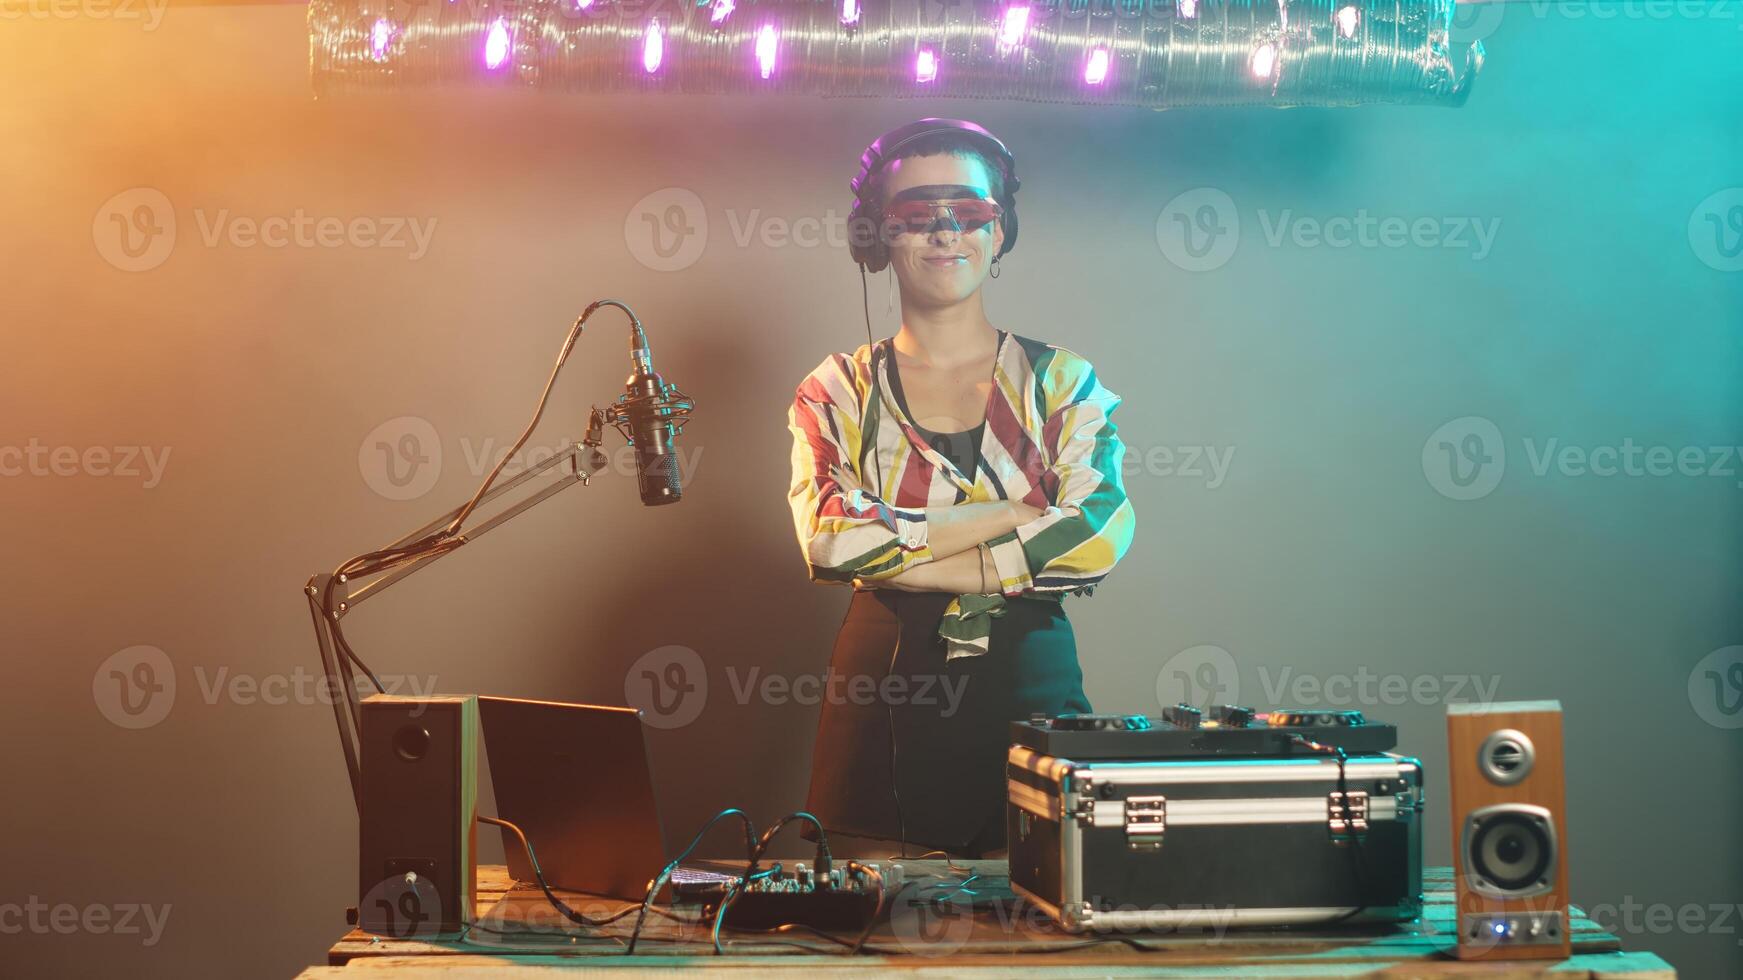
(995, 269)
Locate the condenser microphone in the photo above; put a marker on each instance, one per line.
(653, 413)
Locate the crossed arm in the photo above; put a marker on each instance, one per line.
(850, 534)
(959, 564)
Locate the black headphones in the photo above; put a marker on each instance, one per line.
(865, 240)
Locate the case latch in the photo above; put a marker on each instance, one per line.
(1079, 803)
(1146, 820)
(1355, 805)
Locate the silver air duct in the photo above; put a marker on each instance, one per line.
(1155, 53)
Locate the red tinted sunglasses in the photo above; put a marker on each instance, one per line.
(920, 217)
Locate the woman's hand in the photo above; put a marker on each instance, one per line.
(848, 481)
(960, 570)
(1026, 513)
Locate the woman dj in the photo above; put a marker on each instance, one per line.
(963, 479)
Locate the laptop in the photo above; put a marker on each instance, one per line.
(575, 778)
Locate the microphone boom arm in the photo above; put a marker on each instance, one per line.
(584, 461)
(332, 595)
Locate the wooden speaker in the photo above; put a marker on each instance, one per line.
(1509, 830)
(418, 843)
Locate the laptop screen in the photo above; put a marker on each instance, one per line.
(575, 778)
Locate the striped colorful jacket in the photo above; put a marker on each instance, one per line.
(1049, 441)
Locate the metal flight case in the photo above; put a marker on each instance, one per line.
(1214, 841)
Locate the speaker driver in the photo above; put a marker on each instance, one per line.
(412, 742)
(1506, 757)
(1510, 850)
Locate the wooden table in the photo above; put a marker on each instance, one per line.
(519, 935)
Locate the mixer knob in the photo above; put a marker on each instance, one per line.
(1298, 718)
(1232, 716)
(1100, 723)
(1182, 715)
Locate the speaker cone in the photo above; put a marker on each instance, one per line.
(412, 742)
(1510, 850)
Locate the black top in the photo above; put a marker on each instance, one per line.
(961, 448)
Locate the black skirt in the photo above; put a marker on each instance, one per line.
(912, 748)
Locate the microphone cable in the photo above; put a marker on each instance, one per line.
(872, 404)
(1358, 861)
